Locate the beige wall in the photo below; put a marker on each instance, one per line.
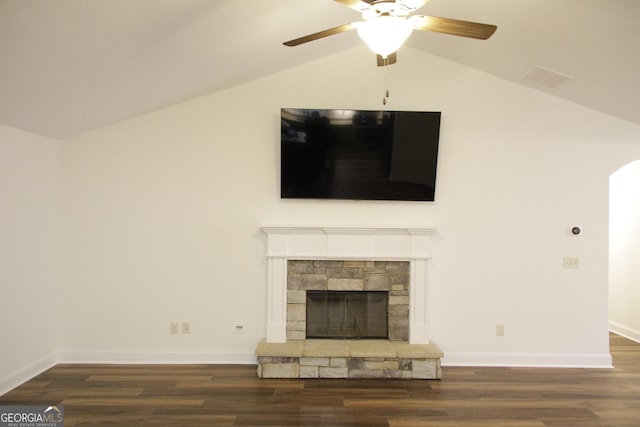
(162, 212)
(29, 216)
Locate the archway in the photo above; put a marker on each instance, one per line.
(624, 247)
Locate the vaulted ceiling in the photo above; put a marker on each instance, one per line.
(69, 66)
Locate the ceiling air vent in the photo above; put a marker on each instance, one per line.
(546, 77)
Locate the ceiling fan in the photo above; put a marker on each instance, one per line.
(386, 25)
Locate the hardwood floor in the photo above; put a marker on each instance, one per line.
(232, 395)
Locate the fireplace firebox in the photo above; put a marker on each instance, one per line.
(347, 314)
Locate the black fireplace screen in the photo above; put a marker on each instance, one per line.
(347, 314)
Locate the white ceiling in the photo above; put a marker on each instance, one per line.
(69, 66)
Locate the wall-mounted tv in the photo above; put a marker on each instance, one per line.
(358, 154)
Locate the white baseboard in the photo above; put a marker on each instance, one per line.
(25, 373)
(625, 331)
(29, 371)
(533, 360)
(157, 357)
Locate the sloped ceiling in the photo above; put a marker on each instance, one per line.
(70, 66)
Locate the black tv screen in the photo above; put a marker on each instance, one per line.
(358, 154)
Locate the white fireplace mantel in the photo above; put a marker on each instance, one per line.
(349, 243)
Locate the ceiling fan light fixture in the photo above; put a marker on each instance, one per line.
(385, 34)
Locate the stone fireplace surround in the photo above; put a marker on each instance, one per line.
(323, 275)
(299, 358)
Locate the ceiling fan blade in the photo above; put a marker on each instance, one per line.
(453, 27)
(319, 35)
(391, 59)
(358, 5)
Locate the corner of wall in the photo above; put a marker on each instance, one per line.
(26, 372)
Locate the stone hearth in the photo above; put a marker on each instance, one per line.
(349, 359)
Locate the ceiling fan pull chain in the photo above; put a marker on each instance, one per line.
(385, 81)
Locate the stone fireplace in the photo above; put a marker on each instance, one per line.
(350, 299)
(363, 245)
(304, 262)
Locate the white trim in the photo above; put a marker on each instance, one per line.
(234, 357)
(25, 373)
(532, 360)
(412, 244)
(144, 357)
(140, 357)
(624, 331)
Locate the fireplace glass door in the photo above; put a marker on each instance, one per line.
(347, 314)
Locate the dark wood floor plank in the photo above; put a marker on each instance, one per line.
(313, 420)
(233, 396)
(462, 422)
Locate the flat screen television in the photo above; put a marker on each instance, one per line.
(358, 154)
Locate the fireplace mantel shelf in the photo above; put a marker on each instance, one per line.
(384, 243)
(412, 244)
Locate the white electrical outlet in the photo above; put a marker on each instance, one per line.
(238, 328)
(500, 330)
(571, 262)
(173, 328)
(186, 327)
